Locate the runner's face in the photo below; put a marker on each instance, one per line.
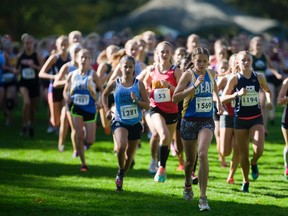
(84, 59)
(200, 62)
(127, 68)
(244, 61)
(164, 52)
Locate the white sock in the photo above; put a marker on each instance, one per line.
(285, 155)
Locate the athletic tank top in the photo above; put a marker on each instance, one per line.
(26, 72)
(248, 105)
(161, 96)
(199, 105)
(126, 111)
(59, 63)
(83, 91)
(259, 65)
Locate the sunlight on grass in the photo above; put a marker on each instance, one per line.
(36, 179)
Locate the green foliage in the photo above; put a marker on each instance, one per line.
(274, 9)
(55, 17)
(42, 18)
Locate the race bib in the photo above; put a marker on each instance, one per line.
(80, 99)
(8, 77)
(28, 73)
(129, 112)
(204, 104)
(162, 95)
(250, 99)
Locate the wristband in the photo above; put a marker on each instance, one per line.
(135, 101)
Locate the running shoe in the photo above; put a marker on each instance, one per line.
(245, 187)
(119, 183)
(107, 131)
(86, 146)
(203, 204)
(50, 129)
(255, 171)
(180, 167)
(223, 164)
(75, 154)
(61, 148)
(160, 175)
(84, 168)
(230, 181)
(188, 193)
(153, 167)
(194, 179)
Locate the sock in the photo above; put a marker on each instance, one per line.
(285, 155)
(163, 155)
(120, 173)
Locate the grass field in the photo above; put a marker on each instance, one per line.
(35, 179)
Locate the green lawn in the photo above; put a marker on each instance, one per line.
(35, 179)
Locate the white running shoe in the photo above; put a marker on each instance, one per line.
(61, 148)
(203, 204)
(188, 193)
(153, 167)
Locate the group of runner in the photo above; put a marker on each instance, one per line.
(180, 92)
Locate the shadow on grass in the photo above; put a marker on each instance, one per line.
(97, 201)
(12, 168)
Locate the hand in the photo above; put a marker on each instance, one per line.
(98, 105)
(109, 114)
(199, 80)
(164, 83)
(243, 91)
(269, 106)
(279, 76)
(220, 108)
(133, 96)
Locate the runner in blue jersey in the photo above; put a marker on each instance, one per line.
(248, 120)
(130, 98)
(80, 93)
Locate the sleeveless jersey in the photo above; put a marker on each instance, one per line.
(83, 91)
(199, 105)
(248, 105)
(126, 111)
(59, 63)
(161, 96)
(259, 65)
(28, 74)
